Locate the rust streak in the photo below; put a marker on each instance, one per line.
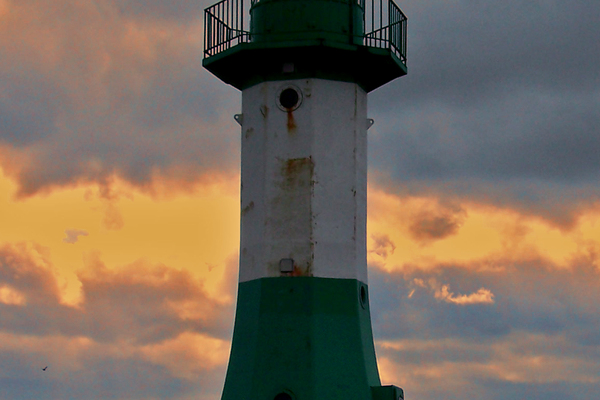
(291, 123)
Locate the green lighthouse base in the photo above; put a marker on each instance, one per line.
(304, 338)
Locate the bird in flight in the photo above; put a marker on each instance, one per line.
(45, 368)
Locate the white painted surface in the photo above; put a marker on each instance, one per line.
(304, 178)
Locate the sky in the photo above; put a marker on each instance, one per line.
(119, 203)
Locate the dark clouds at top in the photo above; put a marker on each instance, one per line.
(501, 103)
(89, 90)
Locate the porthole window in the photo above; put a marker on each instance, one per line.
(283, 396)
(362, 295)
(289, 98)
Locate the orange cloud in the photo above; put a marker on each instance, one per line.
(73, 235)
(11, 296)
(482, 296)
(196, 230)
(471, 234)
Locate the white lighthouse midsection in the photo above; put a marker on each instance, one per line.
(304, 180)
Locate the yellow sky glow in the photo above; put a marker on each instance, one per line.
(196, 231)
(485, 235)
(199, 231)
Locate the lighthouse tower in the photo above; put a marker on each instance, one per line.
(303, 327)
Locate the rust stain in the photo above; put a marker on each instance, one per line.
(291, 123)
(292, 220)
(294, 166)
(298, 272)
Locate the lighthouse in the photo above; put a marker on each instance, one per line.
(303, 328)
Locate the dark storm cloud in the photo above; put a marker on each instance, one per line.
(106, 94)
(467, 51)
(27, 109)
(501, 94)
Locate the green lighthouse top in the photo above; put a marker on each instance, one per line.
(362, 41)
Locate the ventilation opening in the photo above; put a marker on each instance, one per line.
(283, 396)
(289, 99)
(363, 296)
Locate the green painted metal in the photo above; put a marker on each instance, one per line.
(296, 39)
(309, 338)
(299, 20)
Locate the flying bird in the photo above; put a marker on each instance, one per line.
(45, 368)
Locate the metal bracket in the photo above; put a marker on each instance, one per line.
(370, 122)
(239, 118)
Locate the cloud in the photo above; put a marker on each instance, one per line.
(382, 245)
(429, 225)
(482, 296)
(521, 365)
(80, 368)
(148, 303)
(104, 94)
(140, 331)
(488, 112)
(10, 296)
(182, 11)
(73, 235)
(139, 302)
(536, 335)
(528, 296)
(112, 218)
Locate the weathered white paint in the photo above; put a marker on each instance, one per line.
(304, 181)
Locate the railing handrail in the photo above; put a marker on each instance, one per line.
(224, 26)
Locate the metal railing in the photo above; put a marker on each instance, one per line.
(224, 26)
(384, 23)
(385, 27)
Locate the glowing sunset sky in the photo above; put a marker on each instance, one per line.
(119, 203)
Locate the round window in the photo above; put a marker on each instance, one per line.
(289, 98)
(283, 396)
(362, 295)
